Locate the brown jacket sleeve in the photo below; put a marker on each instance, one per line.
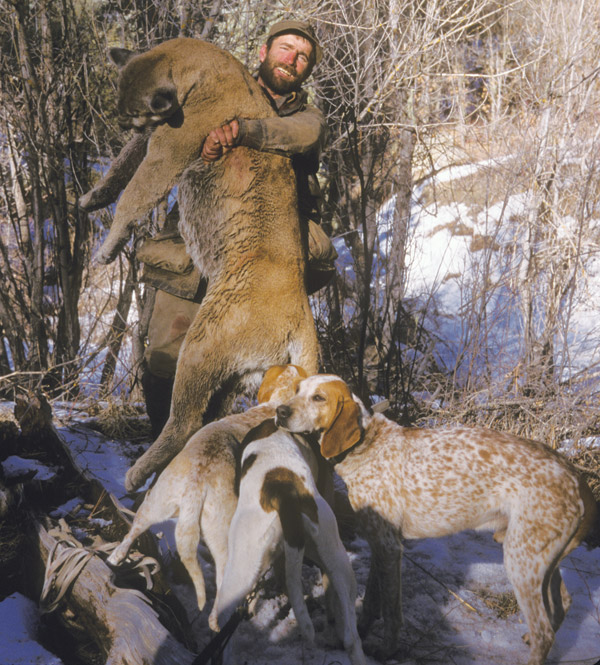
(301, 133)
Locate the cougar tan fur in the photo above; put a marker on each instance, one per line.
(239, 219)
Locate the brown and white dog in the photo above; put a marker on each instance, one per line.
(421, 483)
(199, 485)
(280, 507)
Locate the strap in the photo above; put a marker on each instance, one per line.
(68, 558)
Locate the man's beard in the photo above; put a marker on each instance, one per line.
(278, 84)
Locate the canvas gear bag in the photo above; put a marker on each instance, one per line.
(168, 266)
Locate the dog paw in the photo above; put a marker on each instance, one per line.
(213, 621)
(115, 558)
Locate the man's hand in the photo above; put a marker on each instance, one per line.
(219, 141)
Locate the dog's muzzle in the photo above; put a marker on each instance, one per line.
(282, 413)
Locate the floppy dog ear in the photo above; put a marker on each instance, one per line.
(272, 381)
(345, 429)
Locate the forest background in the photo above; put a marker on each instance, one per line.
(412, 90)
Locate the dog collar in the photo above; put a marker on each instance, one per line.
(338, 459)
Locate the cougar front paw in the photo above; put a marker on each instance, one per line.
(94, 200)
(134, 478)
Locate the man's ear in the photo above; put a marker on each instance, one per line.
(120, 56)
(345, 429)
(262, 54)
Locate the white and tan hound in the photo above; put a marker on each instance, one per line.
(422, 483)
(279, 508)
(199, 485)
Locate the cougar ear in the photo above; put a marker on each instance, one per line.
(344, 429)
(120, 56)
(280, 377)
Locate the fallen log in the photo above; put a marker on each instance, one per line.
(122, 625)
(35, 420)
(121, 622)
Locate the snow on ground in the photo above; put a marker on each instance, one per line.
(454, 588)
(19, 627)
(446, 583)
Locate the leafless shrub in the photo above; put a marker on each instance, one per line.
(412, 91)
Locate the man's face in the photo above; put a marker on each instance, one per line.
(286, 64)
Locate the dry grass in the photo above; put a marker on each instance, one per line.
(503, 604)
(123, 422)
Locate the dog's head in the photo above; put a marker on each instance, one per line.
(279, 383)
(325, 405)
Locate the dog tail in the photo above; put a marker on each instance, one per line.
(285, 492)
(589, 531)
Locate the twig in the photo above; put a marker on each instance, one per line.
(464, 602)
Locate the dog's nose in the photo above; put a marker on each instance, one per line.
(283, 411)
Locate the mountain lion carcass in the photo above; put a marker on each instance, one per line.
(239, 219)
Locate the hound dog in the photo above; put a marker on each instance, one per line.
(421, 483)
(199, 485)
(280, 507)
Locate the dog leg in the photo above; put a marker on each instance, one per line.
(122, 550)
(293, 579)
(530, 583)
(371, 607)
(384, 586)
(253, 536)
(216, 516)
(155, 508)
(559, 599)
(187, 537)
(335, 563)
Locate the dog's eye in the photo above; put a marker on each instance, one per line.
(318, 398)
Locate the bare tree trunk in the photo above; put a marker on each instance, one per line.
(119, 325)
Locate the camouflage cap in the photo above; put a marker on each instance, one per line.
(298, 27)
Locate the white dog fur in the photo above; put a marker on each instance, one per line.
(280, 506)
(199, 485)
(421, 483)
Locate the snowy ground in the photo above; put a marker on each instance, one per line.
(453, 588)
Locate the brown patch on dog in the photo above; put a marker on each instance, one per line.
(262, 431)
(248, 462)
(285, 492)
(343, 428)
(273, 378)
